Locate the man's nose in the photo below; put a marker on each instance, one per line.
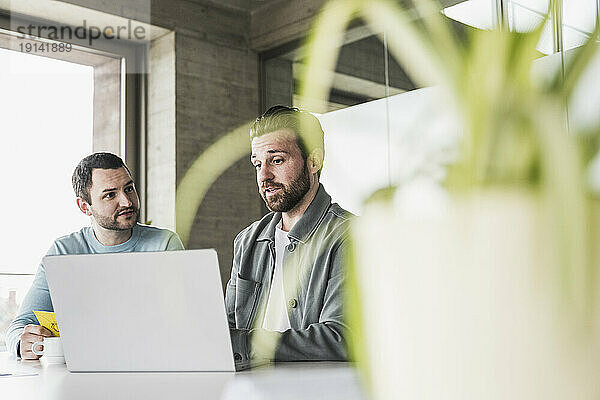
(124, 200)
(265, 174)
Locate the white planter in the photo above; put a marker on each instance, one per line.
(466, 303)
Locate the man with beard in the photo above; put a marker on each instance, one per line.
(284, 298)
(106, 193)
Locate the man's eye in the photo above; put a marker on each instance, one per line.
(109, 195)
(277, 161)
(129, 189)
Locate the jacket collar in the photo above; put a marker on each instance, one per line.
(307, 224)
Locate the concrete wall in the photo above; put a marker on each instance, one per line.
(216, 87)
(278, 78)
(217, 90)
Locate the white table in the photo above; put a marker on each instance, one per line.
(324, 380)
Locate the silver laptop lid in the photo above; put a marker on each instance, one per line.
(160, 311)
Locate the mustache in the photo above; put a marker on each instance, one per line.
(270, 184)
(124, 210)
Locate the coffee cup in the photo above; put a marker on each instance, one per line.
(50, 349)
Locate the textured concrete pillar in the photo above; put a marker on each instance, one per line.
(161, 133)
(107, 107)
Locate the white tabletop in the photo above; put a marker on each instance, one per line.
(322, 380)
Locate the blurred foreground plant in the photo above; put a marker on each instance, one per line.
(515, 127)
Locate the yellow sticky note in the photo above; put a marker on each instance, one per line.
(47, 320)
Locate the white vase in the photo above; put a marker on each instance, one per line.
(466, 303)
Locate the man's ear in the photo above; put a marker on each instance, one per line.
(84, 206)
(315, 161)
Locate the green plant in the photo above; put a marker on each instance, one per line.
(515, 127)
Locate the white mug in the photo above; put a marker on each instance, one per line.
(52, 347)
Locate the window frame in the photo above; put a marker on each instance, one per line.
(133, 58)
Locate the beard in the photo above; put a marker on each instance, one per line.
(289, 195)
(112, 222)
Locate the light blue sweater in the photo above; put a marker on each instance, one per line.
(143, 238)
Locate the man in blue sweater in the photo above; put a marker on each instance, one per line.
(106, 193)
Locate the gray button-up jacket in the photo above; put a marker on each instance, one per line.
(313, 277)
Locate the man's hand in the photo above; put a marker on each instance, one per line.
(32, 334)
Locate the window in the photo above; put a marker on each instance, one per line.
(56, 108)
(47, 121)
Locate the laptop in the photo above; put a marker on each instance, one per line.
(133, 312)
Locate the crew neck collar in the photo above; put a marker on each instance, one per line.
(125, 246)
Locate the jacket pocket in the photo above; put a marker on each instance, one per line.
(246, 301)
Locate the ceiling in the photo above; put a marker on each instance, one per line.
(240, 5)
(578, 19)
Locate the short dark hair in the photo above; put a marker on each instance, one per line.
(82, 176)
(305, 126)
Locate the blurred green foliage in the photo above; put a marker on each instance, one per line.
(515, 130)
